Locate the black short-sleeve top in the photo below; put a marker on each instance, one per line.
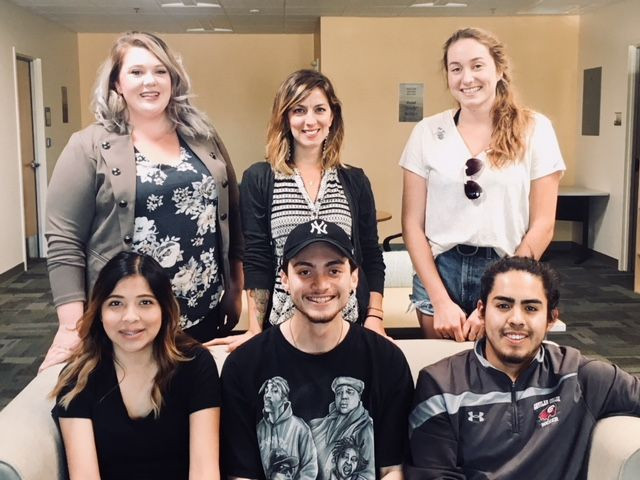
(145, 448)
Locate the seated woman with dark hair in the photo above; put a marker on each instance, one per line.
(139, 398)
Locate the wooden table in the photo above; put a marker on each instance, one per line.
(574, 204)
(382, 216)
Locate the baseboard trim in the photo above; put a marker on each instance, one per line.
(12, 272)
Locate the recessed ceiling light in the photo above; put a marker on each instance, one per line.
(196, 5)
(551, 10)
(440, 5)
(209, 30)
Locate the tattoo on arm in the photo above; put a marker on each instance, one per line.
(261, 299)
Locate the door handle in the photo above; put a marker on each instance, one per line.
(34, 165)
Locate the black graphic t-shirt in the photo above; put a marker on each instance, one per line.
(340, 415)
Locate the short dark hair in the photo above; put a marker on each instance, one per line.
(548, 275)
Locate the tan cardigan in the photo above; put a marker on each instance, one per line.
(91, 207)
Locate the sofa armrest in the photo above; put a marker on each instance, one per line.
(615, 449)
(30, 445)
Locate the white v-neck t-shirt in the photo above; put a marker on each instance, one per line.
(500, 217)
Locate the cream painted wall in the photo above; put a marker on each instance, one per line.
(234, 77)
(367, 58)
(605, 37)
(34, 37)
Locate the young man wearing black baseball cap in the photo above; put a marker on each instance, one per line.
(310, 351)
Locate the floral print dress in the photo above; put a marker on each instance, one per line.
(176, 223)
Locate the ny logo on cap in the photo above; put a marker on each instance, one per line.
(319, 227)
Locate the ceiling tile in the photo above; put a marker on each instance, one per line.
(276, 16)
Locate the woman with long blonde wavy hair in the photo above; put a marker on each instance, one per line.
(139, 398)
(480, 182)
(151, 175)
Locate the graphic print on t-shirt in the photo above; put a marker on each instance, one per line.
(338, 446)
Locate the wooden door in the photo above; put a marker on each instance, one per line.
(29, 164)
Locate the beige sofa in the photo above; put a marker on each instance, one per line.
(30, 447)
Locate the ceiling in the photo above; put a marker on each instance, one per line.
(272, 16)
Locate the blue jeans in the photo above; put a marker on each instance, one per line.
(460, 270)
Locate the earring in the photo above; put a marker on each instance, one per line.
(324, 148)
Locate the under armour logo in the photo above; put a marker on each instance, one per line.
(475, 417)
(319, 227)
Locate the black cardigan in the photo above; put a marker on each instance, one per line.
(256, 192)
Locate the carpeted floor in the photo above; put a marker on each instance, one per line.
(27, 325)
(597, 303)
(600, 309)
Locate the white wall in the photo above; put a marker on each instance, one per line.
(34, 37)
(605, 37)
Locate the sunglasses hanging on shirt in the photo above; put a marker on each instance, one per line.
(473, 167)
(472, 189)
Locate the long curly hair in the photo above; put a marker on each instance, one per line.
(110, 108)
(293, 90)
(511, 121)
(96, 347)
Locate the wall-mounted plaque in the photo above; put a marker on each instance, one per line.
(410, 102)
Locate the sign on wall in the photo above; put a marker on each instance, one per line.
(410, 108)
(591, 101)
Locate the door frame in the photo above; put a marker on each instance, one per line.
(632, 151)
(40, 149)
(627, 208)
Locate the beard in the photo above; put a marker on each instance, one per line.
(516, 360)
(320, 318)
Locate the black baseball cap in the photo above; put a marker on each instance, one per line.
(317, 231)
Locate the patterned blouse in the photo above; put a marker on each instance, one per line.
(176, 223)
(292, 206)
